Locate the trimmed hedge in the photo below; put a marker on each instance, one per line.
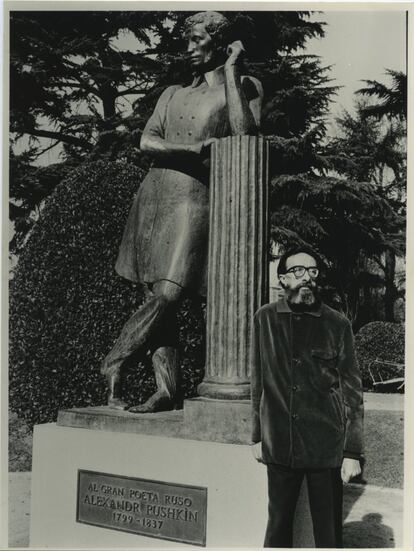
(67, 304)
(383, 341)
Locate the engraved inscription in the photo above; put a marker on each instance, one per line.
(152, 508)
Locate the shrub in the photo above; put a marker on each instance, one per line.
(67, 304)
(383, 341)
(20, 445)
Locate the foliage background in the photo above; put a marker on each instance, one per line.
(382, 341)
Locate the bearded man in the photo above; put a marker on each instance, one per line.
(307, 403)
(164, 245)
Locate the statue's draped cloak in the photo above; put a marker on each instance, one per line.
(166, 234)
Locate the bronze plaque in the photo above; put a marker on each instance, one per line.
(148, 507)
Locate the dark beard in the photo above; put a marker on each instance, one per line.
(303, 299)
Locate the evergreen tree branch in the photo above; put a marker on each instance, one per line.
(42, 151)
(60, 136)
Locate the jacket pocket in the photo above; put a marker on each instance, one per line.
(324, 374)
(338, 408)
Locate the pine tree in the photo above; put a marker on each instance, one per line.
(392, 99)
(67, 80)
(368, 150)
(67, 72)
(392, 106)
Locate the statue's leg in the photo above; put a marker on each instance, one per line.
(165, 363)
(164, 343)
(135, 333)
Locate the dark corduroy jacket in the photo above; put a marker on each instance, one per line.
(306, 388)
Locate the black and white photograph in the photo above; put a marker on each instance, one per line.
(204, 275)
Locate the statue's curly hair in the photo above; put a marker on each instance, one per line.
(216, 24)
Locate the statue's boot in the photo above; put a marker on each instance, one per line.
(165, 363)
(136, 331)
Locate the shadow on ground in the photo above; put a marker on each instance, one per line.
(372, 517)
(369, 532)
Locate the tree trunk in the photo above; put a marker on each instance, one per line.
(390, 291)
(108, 103)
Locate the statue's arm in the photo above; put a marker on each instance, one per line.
(158, 147)
(243, 95)
(152, 139)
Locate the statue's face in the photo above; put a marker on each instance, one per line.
(200, 46)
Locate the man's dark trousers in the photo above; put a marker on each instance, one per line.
(325, 492)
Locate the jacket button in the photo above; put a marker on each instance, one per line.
(296, 361)
(295, 388)
(295, 416)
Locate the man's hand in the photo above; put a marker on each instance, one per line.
(257, 451)
(350, 469)
(235, 50)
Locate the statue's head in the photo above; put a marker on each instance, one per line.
(206, 33)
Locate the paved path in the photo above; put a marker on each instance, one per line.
(383, 402)
(19, 509)
(373, 515)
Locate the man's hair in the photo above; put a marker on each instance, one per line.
(281, 268)
(217, 26)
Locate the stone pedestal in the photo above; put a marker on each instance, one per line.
(234, 482)
(158, 448)
(238, 267)
(225, 421)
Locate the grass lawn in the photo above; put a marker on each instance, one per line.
(384, 448)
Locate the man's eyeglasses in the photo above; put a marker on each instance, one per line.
(299, 271)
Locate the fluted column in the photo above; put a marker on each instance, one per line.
(238, 266)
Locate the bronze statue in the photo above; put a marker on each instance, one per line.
(165, 239)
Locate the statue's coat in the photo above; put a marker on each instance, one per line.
(167, 229)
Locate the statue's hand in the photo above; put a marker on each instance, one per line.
(209, 142)
(195, 148)
(201, 148)
(235, 51)
(206, 148)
